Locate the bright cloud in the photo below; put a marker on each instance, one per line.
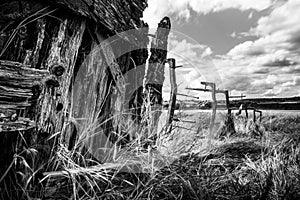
(157, 9)
(267, 65)
(272, 61)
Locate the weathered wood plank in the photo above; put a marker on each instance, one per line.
(17, 81)
(117, 16)
(16, 70)
(155, 73)
(41, 25)
(113, 67)
(21, 124)
(90, 93)
(63, 52)
(172, 101)
(118, 91)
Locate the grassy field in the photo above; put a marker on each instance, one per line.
(260, 161)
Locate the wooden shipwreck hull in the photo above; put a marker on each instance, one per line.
(61, 70)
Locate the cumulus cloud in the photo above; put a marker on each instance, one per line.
(272, 60)
(278, 33)
(181, 9)
(266, 66)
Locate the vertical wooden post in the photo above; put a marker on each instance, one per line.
(172, 101)
(155, 77)
(254, 116)
(227, 101)
(260, 116)
(246, 110)
(229, 123)
(60, 62)
(214, 109)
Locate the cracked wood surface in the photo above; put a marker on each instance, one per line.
(63, 51)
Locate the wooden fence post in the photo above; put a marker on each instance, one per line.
(214, 107)
(229, 123)
(227, 101)
(154, 79)
(246, 110)
(260, 116)
(172, 101)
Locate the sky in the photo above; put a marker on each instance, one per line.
(249, 47)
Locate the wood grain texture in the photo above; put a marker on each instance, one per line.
(17, 80)
(116, 15)
(63, 51)
(155, 72)
(172, 101)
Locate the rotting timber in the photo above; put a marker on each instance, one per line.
(44, 48)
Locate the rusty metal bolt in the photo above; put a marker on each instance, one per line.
(14, 117)
(51, 81)
(58, 70)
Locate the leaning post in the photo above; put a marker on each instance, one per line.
(172, 101)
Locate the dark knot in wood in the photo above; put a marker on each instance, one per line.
(59, 107)
(58, 70)
(51, 81)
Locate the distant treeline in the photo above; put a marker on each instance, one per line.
(292, 103)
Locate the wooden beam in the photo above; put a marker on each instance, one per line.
(227, 101)
(63, 51)
(17, 83)
(233, 97)
(185, 95)
(155, 72)
(206, 90)
(18, 75)
(21, 124)
(172, 101)
(155, 75)
(214, 110)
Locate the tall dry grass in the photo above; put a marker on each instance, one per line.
(242, 166)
